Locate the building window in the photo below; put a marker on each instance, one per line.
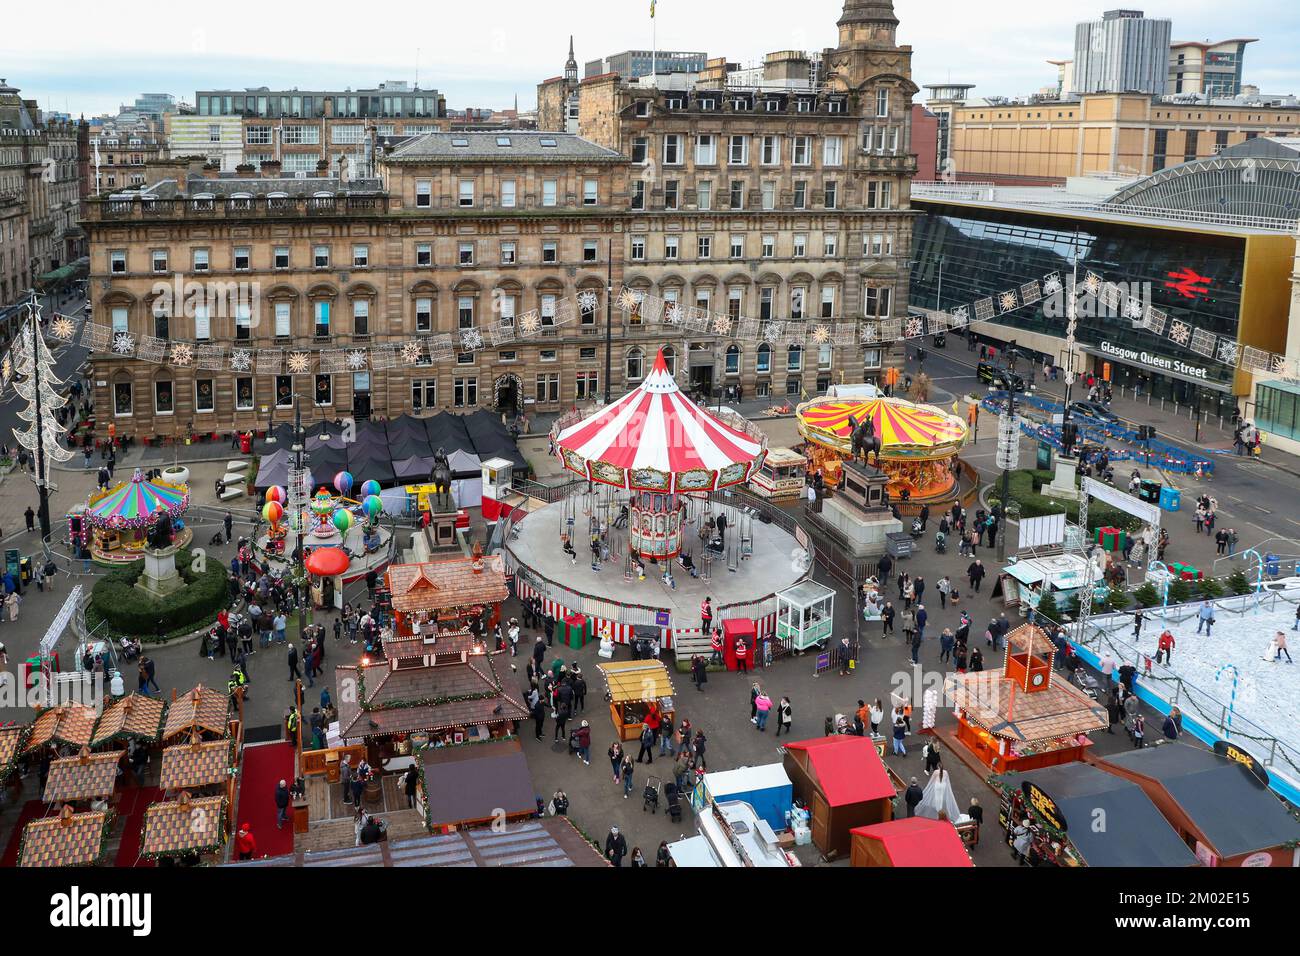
(506, 306)
(797, 296)
(704, 247)
(321, 257)
(590, 193)
(281, 257)
(465, 253)
(800, 194)
(465, 392)
(243, 322)
(672, 150)
(549, 187)
(704, 194)
(793, 386)
(204, 395)
(670, 359)
(882, 102)
(771, 151)
(548, 388)
(706, 150)
(800, 245)
(640, 151)
(243, 394)
(635, 363)
(324, 393)
(825, 353)
(832, 193)
(588, 385)
(828, 302)
(829, 245)
(507, 253)
(733, 359)
(163, 398)
(360, 316)
(832, 151)
(769, 247)
(159, 260)
(763, 365)
(769, 195)
(737, 196)
(638, 194)
(638, 248)
(465, 312)
(672, 194)
(871, 358)
(202, 323)
(508, 193)
(424, 193)
(466, 193)
(802, 151)
(766, 299)
(589, 250)
(738, 151)
(283, 329)
(424, 393)
(737, 247)
(360, 257)
(550, 252)
(670, 247)
(200, 260)
(423, 254)
(122, 403)
(322, 311)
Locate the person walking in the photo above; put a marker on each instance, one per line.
(763, 703)
(615, 847)
(245, 844)
(615, 754)
(563, 711)
(229, 522)
(946, 643)
(626, 772)
(1114, 709)
(1280, 648)
(706, 614)
(944, 587)
(30, 515)
(647, 745)
(1139, 732)
(912, 796)
(584, 743)
(1138, 619)
(281, 805)
(975, 574)
(293, 663)
(699, 672)
(1107, 667)
(932, 758)
(887, 614)
(784, 716)
(900, 732)
(1173, 725)
(698, 747)
(1205, 618)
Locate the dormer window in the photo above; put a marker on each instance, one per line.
(460, 143)
(503, 140)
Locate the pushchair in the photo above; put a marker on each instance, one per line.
(650, 795)
(673, 801)
(940, 543)
(918, 529)
(573, 743)
(1085, 682)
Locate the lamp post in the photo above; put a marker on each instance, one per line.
(1008, 457)
(299, 441)
(42, 480)
(609, 314)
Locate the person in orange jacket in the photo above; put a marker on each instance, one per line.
(1166, 647)
(742, 656)
(244, 843)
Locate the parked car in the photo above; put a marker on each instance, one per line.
(999, 377)
(1093, 410)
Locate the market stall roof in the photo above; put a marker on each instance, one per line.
(450, 583)
(995, 703)
(465, 464)
(69, 839)
(183, 825)
(82, 777)
(136, 716)
(548, 842)
(205, 709)
(273, 468)
(378, 700)
(1062, 571)
(198, 763)
(1135, 833)
(901, 426)
(327, 562)
(418, 645)
(654, 438)
(325, 462)
(469, 784)
(71, 725)
(448, 432)
(918, 841)
(1229, 804)
(370, 460)
(408, 436)
(11, 745)
(491, 439)
(136, 502)
(414, 466)
(847, 768)
(630, 681)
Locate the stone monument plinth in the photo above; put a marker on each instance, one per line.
(160, 577)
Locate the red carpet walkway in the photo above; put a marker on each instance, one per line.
(265, 765)
(32, 810)
(131, 820)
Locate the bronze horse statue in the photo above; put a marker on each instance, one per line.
(440, 478)
(863, 438)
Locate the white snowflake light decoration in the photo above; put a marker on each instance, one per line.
(914, 327)
(1092, 282)
(300, 362)
(773, 332)
(1133, 308)
(721, 324)
(674, 314)
(530, 322)
(1007, 301)
(182, 354)
(588, 301)
(124, 343)
(1228, 351)
(1179, 332)
(960, 316)
(411, 353)
(629, 299)
(356, 360)
(62, 328)
(241, 360)
(471, 339)
(1052, 283)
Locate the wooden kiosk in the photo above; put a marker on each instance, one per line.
(844, 784)
(1022, 717)
(805, 615)
(783, 475)
(634, 687)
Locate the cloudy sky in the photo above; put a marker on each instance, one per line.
(86, 57)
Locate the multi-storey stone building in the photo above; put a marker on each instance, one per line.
(122, 150)
(785, 201)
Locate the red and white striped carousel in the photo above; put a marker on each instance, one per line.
(658, 445)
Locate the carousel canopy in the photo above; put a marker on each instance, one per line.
(654, 438)
(902, 426)
(136, 503)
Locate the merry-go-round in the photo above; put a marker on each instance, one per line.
(658, 523)
(114, 525)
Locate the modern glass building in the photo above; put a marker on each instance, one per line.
(966, 251)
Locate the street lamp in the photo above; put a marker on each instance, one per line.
(1008, 452)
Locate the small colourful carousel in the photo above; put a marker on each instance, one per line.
(918, 444)
(115, 524)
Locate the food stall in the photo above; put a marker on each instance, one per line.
(844, 782)
(447, 595)
(185, 827)
(67, 839)
(12, 740)
(137, 717)
(70, 725)
(204, 710)
(909, 841)
(805, 615)
(87, 776)
(327, 567)
(1065, 803)
(1026, 580)
(767, 789)
(1217, 801)
(782, 475)
(632, 689)
(1023, 716)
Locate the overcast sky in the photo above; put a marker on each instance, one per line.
(89, 57)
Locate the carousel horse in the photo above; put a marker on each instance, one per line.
(863, 438)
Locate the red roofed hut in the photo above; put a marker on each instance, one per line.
(844, 784)
(909, 841)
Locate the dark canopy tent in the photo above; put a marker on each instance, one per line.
(326, 459)
(408, 437)
(273, 468)
(492, 440)
(468, 785)
(369, 461)
(1135, 834)
(448, 431)
(415, 469)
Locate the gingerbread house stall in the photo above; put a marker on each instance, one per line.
(71, 726)
(87, 776)
(193, 828)
(909, 841)
(844, 784)
(135, 717)
(1022, 716)
(447, 595)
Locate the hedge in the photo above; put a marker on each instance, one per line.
(1024, 489)
(132, 611)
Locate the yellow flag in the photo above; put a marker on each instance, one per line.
(652, 9)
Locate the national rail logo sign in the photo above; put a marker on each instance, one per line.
(1188, 283)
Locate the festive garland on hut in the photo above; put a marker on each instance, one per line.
(366, 706)
(215, 847)
(110, 817)
(19, 746)
(125, 734)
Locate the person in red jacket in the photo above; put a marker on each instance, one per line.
(244, 842)
(1166, 647)
(742, 656)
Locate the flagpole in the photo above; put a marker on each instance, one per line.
(654, 47)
